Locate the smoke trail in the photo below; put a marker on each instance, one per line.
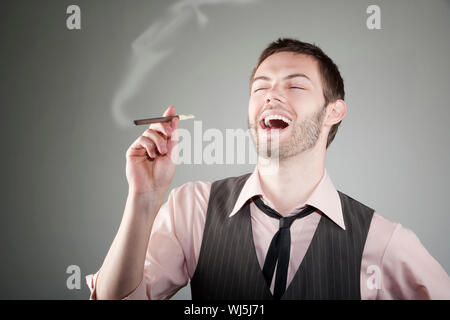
(148, 49)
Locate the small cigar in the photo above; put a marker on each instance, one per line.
(162, 119)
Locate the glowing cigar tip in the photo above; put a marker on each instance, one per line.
(186, 116)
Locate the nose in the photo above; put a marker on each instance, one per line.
(274, 96)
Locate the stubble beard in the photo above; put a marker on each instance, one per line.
(304, 137)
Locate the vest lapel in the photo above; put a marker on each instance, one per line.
(246, 216)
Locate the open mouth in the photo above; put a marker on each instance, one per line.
(275, 121)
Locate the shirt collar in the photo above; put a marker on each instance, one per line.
(324, 197)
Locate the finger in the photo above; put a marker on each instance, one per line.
(157, 139)
(174, 124)
(170, 111)
(151, 150)
(164, 127)
(143, 143)
(175, 134)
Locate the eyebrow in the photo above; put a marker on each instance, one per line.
(294, 75)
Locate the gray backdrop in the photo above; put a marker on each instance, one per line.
(64, 142)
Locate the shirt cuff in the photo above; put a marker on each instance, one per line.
(137, 294)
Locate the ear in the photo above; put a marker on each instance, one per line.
(336, 111)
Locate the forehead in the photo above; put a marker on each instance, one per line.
(283, 63)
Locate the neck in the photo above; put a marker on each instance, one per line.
(294, 180)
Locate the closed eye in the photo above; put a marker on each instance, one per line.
(290, 88)
(260, 89)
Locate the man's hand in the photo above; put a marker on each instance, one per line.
(149, 167)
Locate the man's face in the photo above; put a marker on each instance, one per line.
(286, 104)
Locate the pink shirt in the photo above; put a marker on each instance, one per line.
(395, 265)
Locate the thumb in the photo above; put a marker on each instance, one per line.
(175, 137)
(174, 142)
(170, 111)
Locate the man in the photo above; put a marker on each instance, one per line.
(285, 235)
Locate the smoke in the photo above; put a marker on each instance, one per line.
(148, 49)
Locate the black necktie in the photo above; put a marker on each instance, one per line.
(280, 247)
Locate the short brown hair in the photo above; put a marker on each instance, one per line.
(332, 83)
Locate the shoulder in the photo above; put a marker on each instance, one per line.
(386, 235)
(408, 269)
(195, 194)
(186, 205)
(352, 203)
(400, 240)
(193, 197)
(405, 249)
(383, 227)
(192, 191)
(378, 240)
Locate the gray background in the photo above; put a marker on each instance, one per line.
(63, 153)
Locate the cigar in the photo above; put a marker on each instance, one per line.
(162, 119)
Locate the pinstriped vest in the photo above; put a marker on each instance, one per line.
(228, 267)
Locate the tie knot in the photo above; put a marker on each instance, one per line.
(286, 222)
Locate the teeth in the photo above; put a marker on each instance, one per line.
(275, 117)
